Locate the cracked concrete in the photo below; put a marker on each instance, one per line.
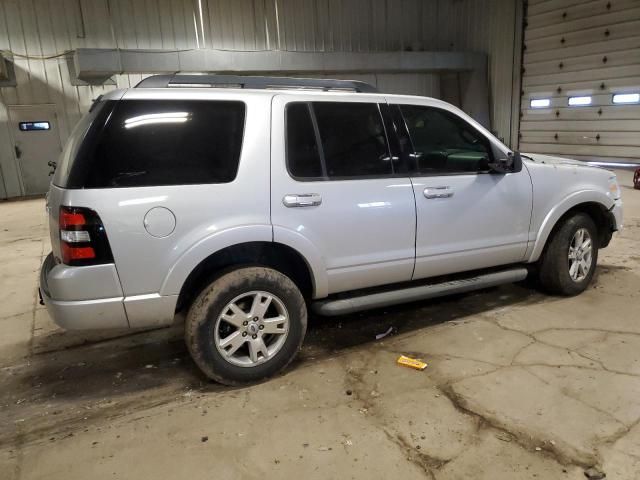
(519, 385)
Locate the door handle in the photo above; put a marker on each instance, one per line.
(302, 200)
(438, 192)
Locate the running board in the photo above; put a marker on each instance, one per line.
(412, 294)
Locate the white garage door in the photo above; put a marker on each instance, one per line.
(581, 79)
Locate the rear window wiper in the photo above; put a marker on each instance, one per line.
(114, 180)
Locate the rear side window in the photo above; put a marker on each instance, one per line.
(336, 140)
(139, 143)
(302, 148)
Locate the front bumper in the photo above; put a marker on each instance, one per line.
(617, 215)
(63, 290)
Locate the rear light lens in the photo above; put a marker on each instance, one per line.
(83, 240)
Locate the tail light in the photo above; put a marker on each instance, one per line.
(83, 240)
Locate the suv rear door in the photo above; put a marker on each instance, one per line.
(336, 190)
(467, 217)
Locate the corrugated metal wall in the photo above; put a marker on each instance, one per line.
(42, 28)
(588, 48)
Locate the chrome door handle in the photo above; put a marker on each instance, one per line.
(302, 200)
(438, 192)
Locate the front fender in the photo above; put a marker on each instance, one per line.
(570, 201)
(192, 257)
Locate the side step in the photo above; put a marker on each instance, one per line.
(412, 294)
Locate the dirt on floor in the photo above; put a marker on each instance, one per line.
(518, 385)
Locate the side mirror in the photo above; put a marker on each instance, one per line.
(512, 163)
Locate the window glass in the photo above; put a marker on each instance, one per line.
(34, 126)
(353, 139)
(303, 157)
(444, 142)
(161, 142)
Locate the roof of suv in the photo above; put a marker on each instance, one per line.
(172, 86)
(255, 82)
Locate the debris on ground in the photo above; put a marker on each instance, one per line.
(390, 331)
(204, 439)
(503, 436)
(348, 392)
(411, 363)
(594, 474)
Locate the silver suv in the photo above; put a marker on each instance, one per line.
(245, 206)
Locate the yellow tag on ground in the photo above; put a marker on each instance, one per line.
(411, 363)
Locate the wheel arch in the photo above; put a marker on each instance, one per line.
(278, 256)
(595, 204)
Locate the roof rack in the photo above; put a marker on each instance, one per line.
(238, 81)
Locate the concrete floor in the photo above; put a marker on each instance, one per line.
(519, 385)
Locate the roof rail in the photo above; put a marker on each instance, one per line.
(238, 81)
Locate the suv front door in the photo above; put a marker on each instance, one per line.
(336, 190)
(467, 217)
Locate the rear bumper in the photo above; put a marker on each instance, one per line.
(88, 298)
(62, 289)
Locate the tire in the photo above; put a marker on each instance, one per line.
(237, 311)
(557, 273)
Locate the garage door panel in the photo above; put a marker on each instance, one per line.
(586, 62)
(603, 19)
(539, 7)
(601, 47)
(617, 112)
(559, 101)
(544, 125)
(588, 86)
(583, 37)
(589, 48)
(584, 75)
(582, 150)
(614, 139)
(574, 11)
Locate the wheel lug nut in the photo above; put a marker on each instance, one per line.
(261, 327)
(245, 323)
(244, 334)
(255, 319)
(254, 336)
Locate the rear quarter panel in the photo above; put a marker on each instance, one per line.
(209, 217)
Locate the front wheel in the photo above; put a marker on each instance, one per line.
(246, 326)
(569, 261)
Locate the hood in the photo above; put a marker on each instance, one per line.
(548, 159)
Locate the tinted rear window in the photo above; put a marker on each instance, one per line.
(139, 143)
(348, 140)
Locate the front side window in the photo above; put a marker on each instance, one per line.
(445, 143)
(142, 143)
(336, 140)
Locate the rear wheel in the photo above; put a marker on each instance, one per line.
(569, 261)
(246, 326)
